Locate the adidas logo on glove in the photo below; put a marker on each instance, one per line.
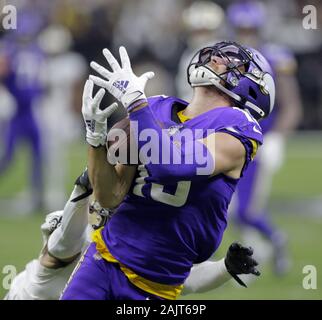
(121, 85)
(90, 125)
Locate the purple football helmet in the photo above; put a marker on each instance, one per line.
(248, 78)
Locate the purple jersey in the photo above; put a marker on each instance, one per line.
(23, 79)
(162, 231)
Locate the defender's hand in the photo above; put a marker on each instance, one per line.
(83, 181)
(239, 261)
(121, 82)
(95, 119)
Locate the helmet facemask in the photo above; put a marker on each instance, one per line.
(236, 58)
(242, 77)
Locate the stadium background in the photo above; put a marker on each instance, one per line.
(296, 200)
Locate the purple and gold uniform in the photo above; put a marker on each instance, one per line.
(161, 229)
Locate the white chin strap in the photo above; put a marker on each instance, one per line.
(202, 76)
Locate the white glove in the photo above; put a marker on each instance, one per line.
(271, 154)
(95, 119)
(121, 82)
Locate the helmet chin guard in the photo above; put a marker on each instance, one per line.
(252, 89)
(202, 76)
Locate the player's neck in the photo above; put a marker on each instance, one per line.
(205, 99)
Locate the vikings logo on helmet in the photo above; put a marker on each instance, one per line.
(248, 78)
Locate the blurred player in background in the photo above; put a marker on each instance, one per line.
(202, 22)
(66, 234)
(173, 215)
(247, 18)
(21, 60)
(63, 77)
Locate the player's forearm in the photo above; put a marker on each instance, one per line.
(173, 157)
(106, 183)
(206, 276)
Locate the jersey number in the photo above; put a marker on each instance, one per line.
(157, 190)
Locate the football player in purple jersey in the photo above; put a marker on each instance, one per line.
(21, 59)
(247, 19)
(66, 234)
(170, 214)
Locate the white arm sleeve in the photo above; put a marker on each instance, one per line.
(206, 276)
(37, 282)
(68, 239)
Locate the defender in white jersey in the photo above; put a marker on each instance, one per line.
(66, 234)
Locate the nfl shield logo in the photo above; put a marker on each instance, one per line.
(174, 129)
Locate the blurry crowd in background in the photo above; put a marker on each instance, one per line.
(45, 61)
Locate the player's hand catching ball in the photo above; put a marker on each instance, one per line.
(95, 118)
(121, 82)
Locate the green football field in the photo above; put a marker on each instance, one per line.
(296, 207)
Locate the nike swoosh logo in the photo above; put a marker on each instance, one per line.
(256, 130)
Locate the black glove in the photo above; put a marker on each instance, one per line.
(239, 261)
